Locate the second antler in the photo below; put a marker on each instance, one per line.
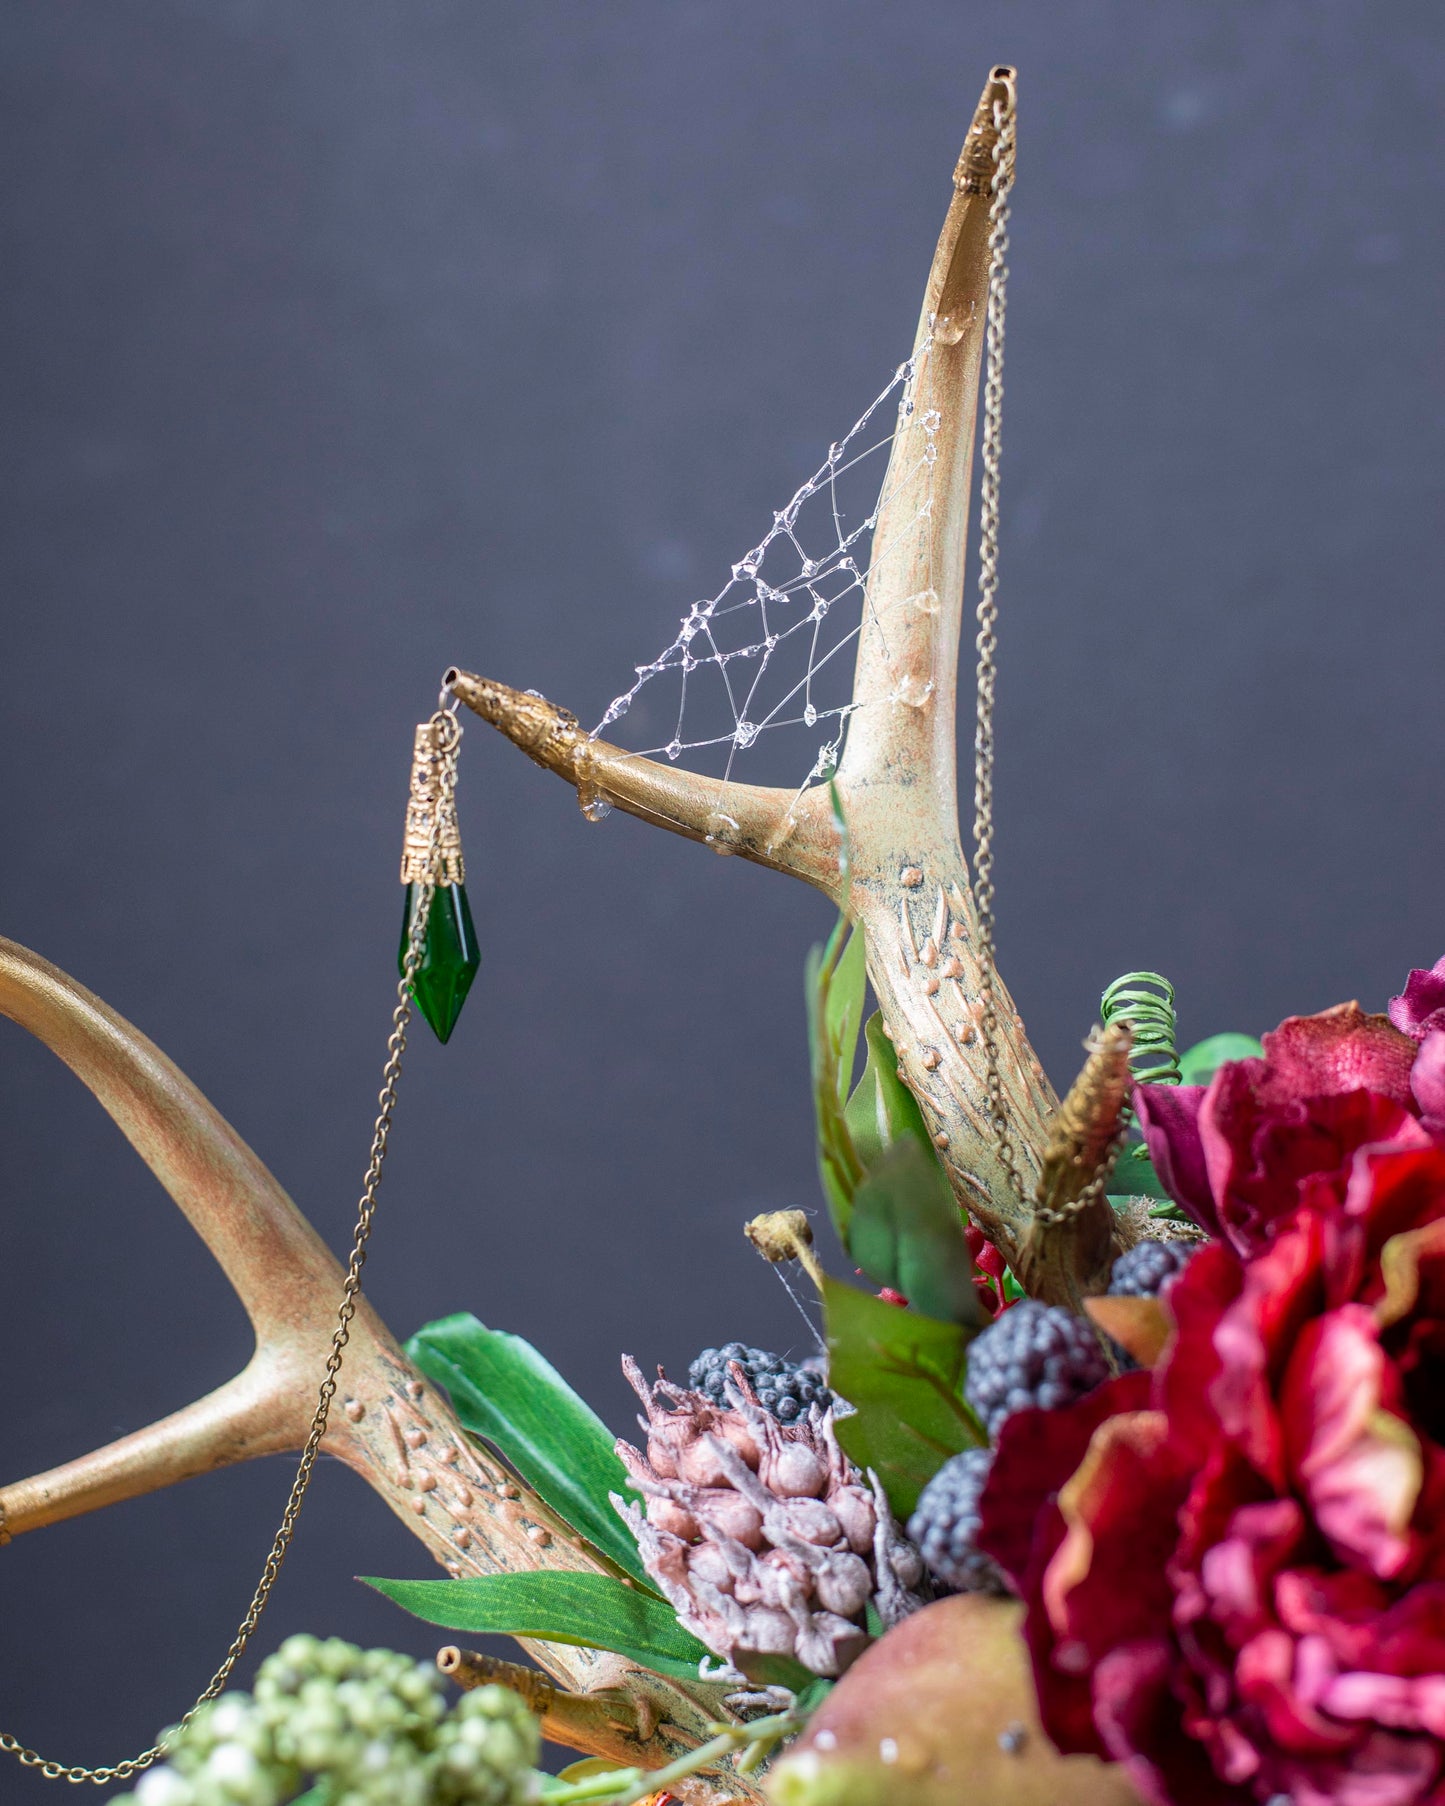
(388, 1423)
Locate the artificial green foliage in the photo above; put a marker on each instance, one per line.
(903, 1373)
(837, 982)
(1144, 1002)
(843, 1007)
(590, 1610)
(906, 1233)
(744, 1746)
(1205, 1058)
(587, 1769)
(891, 1204)
(882, 1110)
(508, 1394)
(1134, 1175)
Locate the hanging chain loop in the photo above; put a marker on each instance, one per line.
(987, 641)
(447, 731)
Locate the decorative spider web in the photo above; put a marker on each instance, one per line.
(772, 653)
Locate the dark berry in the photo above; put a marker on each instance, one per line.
(784, 1389)
(1034, 1354)
(1147, 1267)
(945, 1526)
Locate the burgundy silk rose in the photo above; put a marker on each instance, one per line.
(1239, 1154)
(1234, 1566)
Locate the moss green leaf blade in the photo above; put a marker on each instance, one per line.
(507, 1393)
(882, 1110)
(592, 1611)
(904, 1374)
(1205, 1058)
(906, 1233)
(1134, 1175)
(836, 984)
(843, 1011)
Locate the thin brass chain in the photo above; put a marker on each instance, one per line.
(987, 641)
(1004, 117)
(448, 731)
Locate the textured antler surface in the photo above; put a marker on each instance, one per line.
(388, 1424)
(907, 881)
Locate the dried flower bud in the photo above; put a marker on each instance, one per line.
(668, 1515)
(844, 1585)
(794, 1472)
(732, 1516)
(809, 1519)
(761, 1535)
(853, 1509)
(661, 1458)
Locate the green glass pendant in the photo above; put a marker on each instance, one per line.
(449, 956)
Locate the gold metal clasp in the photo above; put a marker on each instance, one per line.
(432, 802)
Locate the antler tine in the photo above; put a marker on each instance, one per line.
(397, 1432)
(906, 677)
(771, 827)
(232, 1201)
(908, 883)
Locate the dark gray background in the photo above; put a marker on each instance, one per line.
(341, 341)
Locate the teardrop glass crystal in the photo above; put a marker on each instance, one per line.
(449, 956)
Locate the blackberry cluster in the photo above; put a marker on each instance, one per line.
(1034, 1354)
(1147, 1268)
(784, 1390)
(370, 1726)
(945, 1525)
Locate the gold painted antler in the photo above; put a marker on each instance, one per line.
(390, 1426)
(908, 880)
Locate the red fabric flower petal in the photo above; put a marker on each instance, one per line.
(1037, 1452)
(1234, 1568)
(1338, 1050)
(1420, 1007)
(1427, 1078)
(1169, 1120)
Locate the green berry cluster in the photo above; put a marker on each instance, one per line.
(365, 1727)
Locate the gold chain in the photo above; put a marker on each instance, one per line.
(1004, 119)
(448, 733)
(987, 642)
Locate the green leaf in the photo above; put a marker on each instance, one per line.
(906, 1233)
(1134, 1176)
(904, 1375)
(811, 1696)
(1205, 1058)
(836, 982)
(844, 1013)
(591, 1610)
(505, 1392)
(837, 987)
(882, 1110)
(590, 1766)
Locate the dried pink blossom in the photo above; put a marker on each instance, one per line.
(762, 1535)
